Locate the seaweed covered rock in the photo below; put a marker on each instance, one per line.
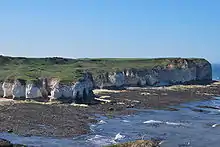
(138, 143)
(6, 143)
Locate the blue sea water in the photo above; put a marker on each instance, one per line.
(191, 126)
(216, 71)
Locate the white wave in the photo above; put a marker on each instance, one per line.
(153, 122)
(101, 140)
(215, 125)
(102, 122)
(92, 127)
(175, 124)
(126, 121)
(161, 122)
(119, 137)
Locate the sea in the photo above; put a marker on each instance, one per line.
(191, 126)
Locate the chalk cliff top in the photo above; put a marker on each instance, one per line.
(71, 69)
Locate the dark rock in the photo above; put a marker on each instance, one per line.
(111, 109)
(10, 131)
(138, 143)
(5, 143)
(19, 145)
(199, 110)
(172, 109)
(130, 106)
(209, 107)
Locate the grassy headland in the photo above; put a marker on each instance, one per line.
(71, 69)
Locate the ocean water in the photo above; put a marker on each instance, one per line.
(191, 126)
(216, 71)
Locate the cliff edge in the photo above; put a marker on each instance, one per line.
(76, 78)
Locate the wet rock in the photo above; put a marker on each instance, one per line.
(209, 107)
(10, 131)
(19, 145)
(111, 109)
(130, 106)
(200, 110)
(5, 143)
(138, 143)
(172, 109)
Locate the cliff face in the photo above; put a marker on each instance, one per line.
(176, 72)
(43, 88)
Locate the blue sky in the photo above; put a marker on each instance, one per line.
(110, 28)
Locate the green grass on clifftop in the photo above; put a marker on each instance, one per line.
(70, 69)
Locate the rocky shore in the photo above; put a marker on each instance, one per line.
(138, 143)
(67, 120)
(48, 106)
(6, 143)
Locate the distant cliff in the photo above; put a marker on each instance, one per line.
(75, 78)
(69, 70)
(176, 71)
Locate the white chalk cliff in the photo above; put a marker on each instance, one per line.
(7, 88)
(33, 91)
(18, 89)
(181, 71)
(82, 90)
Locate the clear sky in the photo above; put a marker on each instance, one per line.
(110, 28)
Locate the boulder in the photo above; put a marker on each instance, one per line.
(138, 143)
(19, 88)
(5, 143)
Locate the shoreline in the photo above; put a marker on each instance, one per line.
(65, 120)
